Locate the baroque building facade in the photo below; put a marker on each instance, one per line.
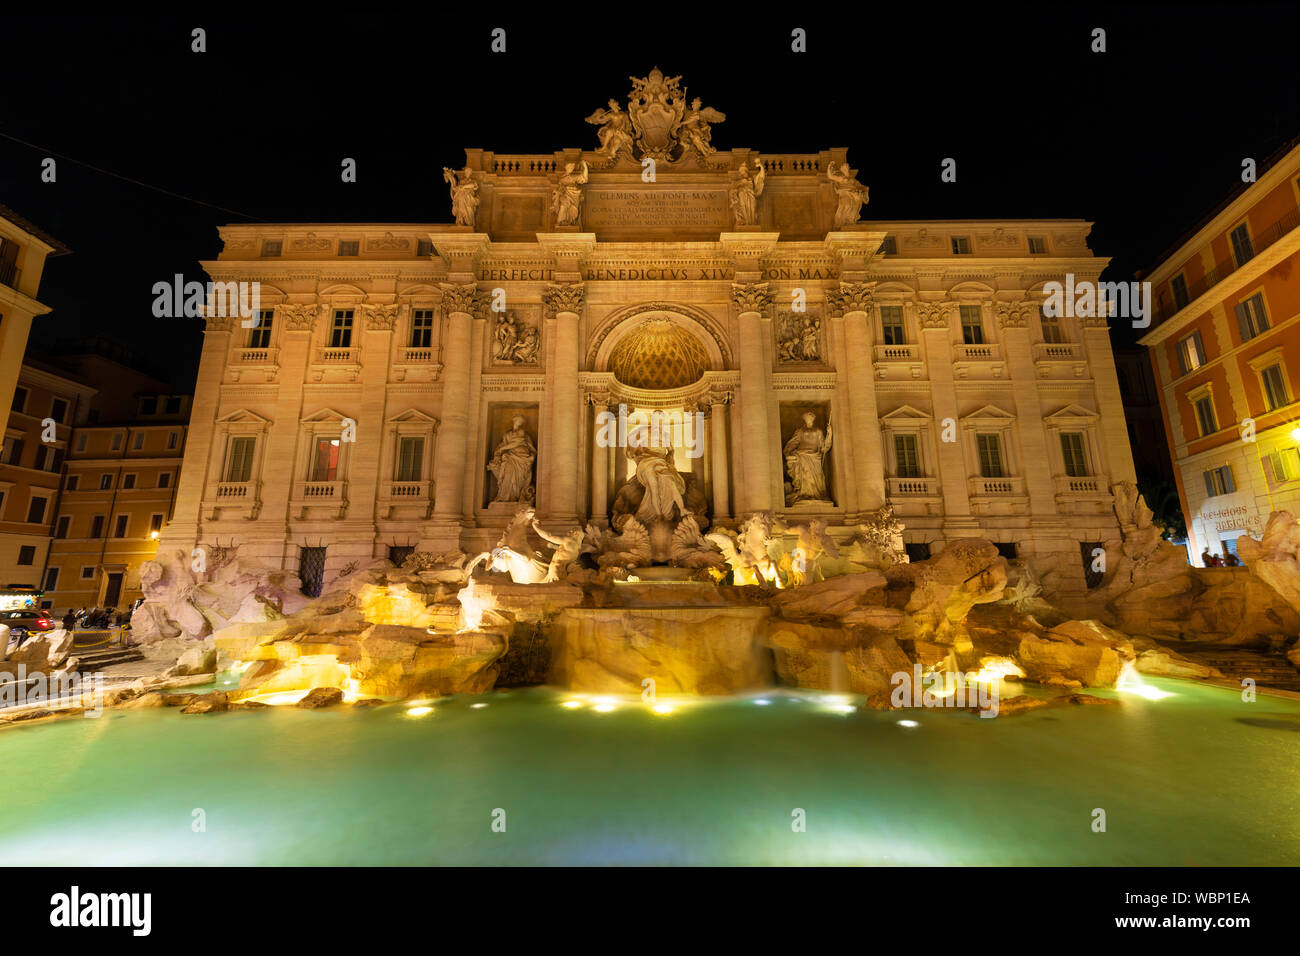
(412, 386)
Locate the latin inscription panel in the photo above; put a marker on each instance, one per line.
(614, 208)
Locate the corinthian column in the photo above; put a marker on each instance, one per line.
(752, 299)
(853, 302)
(450, 466)
(563, 304)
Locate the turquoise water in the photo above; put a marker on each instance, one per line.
(1198, 778)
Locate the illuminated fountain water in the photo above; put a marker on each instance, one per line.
(1130, 682)
(472, 605)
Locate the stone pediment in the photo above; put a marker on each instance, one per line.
(242, 416)
(1071, 414)
(989, 414)
(412, 416)
(324, 415)
(907, 413)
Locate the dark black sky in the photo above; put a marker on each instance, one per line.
(1143, 139)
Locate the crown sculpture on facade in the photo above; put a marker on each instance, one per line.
(658, 124)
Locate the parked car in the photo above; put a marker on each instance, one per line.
(22, 624)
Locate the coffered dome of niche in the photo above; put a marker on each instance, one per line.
(659, 354)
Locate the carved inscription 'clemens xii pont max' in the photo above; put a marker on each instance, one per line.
(664, 207)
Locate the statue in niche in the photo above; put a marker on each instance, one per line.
(662, 483)
(799, 337)
(566, 203)
(514, 341)
(695, 132)
(615, 133)
(850, 195)
(746, 189)
(805, 461)
(464, 194)
(512, 464)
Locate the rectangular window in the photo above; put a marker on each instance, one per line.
(165, 479)
(51, 579)
(43, 455)
(421, 328)
(989, 445)
(59, 410)
(907, 460)
(1051, 325)
(341, 330)
(27, 555)
(105, 482)
(1179, 286)
(138, 442)
(410, 459)
(61, 529)
(36, 509)
(20, 400)
(972, 328)
(149, 405)
(1252, 320)
(117, 441)
(1275, 393)
(72, 482)
(1242, 249)
(119, 529)
(1205, 417)
(271, 248)
(174, 405)
(889, 246)
(349, 247)
(891, 325)
(424, 247)
(325, 460)
(172, 438)
(128, 481)
(14, 452)
(87, 572)
(1191, 353)
(239, 459)
(961, 245)
(81, 442)
(97, 526)
(259, 336)
(155, 523)
(1218, 481)
(1037, 246)
(1285, 463)
(1076, 465)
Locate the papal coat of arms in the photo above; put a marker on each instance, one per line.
(658, 124)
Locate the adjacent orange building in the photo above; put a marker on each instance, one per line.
(1225, 345)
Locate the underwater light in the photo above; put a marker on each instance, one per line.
(572, 704)
(419, 711)
(478, 706)
(762, 702)
(603, 708)
(908, 723)
(662, 709)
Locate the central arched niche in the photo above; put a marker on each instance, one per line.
(658, 354)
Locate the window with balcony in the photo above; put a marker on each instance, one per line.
(1191, 353)
(1178, 284)
(907, 457)
(1274, 382)
(325, 460)
(1218, 481)
(341, 329)
(1076, 462)
(421, 328)
(972, 325)
(891, 325)
(1051, 326)
(239, 460)
(259, 336)
(410, 459)
(989, 447)
(1252, 318)
(1243, 250)
(960, 245)
(1206, 420)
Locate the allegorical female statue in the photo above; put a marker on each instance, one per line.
(567, 201)
(464, 194)
(805, 456)
(745, 192)
(512, 464)
(615, 133)
(849, 194)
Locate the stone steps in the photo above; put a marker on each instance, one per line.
(1237, 663)
(99, 659)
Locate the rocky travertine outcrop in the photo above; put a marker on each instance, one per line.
(1275, 558)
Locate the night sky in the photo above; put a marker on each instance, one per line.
(1144, 139)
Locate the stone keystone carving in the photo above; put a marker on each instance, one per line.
(567, 297)
(460, 298)
(751, 297)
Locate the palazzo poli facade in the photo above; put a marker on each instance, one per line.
(412, 386)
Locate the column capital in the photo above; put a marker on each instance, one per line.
(380, 318)
(300, 317)
(751, 296)
(1013, 315)
(935, 315)
(563, 297)
(851, 297)
(457, 297)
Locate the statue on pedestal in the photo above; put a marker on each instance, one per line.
(566, 203)
(805, 455)
(512, 464)
(850, 195)
(745, 192)
(695, 132)
(464, 194)
(615, 133)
